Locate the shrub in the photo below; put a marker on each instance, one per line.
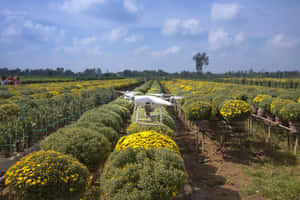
(102, 117)
(168, 120)
(47, 175)
(291, 112)
(89, 147)
(143, 174)
(114, 114)
(218, 102)
(265, 104)
(200, 110)
(277, 105)
(124, 103)
(121, 110)
(147, 139)
(108, 132)
(162, 129)
(236, 110)
(259, 98)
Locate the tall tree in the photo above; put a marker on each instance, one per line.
(200, 60)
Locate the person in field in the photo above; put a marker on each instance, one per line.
(16, 80)
(10, 80)
(3, 81)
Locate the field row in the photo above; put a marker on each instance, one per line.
(233, 102)
(29, 117)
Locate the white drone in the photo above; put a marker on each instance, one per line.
(150, 103)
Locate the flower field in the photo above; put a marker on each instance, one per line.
(267, 82)
(106, 155)
(234, 102)
(30, 112)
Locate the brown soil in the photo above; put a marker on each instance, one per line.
(212, 174)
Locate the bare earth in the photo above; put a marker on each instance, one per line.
(211, 177)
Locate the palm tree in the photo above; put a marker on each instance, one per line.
(200, 60)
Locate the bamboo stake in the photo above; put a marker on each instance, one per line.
(296, 144)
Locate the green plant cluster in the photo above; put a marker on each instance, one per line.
(271, 100)
(92, 138)
(28, 120)
(47, 175)
(141, 173)
(145, 164)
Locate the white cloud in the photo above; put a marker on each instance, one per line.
(172, 50)
(220, 39)
(282, 41)
(116, 34)
(141, 50)
(224, 11)
(130, 6)
(239, 38)
(10, 31)
(169, 51)
(86, 46)
(131, 39)
(186, 27)
(17, 24)
(75, 6)
(171, 26)
(45, 31)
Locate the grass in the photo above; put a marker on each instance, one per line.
(274, 183)
(277, 176)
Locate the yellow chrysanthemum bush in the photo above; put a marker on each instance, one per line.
(197, 110)
(236, 110)
(162, 129)
(147, 139)
(88, 146)
(278, 104)
(291, 112)
(139, 173)
(47, 175)
(259, 98)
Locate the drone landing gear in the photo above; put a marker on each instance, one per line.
(149, 119)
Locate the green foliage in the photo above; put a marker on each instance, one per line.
(198, 110)
(168, 120)
(108, 132)
(148, 174)
(121, 110)
(265, 104)
(274, 184)
(88, 146)
(47, 175)
(277, 105)
(124, 103)
(105, 118)
(291, 112)
(162, 129)
(218, 102)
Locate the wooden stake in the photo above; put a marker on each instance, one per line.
(296, 144)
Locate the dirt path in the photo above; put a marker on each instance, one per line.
(210, 176)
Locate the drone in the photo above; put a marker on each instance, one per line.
(146, 105)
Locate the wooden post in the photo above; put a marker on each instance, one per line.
(289, 142)
(269, 133)
(296, 144)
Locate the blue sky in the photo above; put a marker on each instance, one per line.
(150, 34)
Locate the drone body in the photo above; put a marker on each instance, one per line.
(147, 104)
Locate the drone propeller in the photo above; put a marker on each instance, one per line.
(156, 94)
(151, 99)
